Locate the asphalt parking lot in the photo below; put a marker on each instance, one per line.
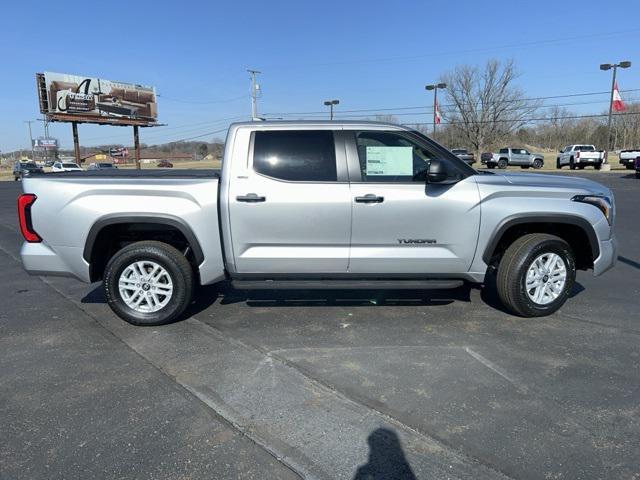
(322, 384)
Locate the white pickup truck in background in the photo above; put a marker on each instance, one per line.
(580, 156)
(628, 157)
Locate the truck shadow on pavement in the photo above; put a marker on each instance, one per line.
(205, 296)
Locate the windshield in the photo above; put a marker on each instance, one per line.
(69, 165)
(29, 166)
(460, 151)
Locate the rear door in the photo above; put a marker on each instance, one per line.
(290, 209)
(518, 157)
(401, 225)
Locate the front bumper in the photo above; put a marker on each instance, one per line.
(608, 256)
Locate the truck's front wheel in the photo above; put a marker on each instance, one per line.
(148, 283)
(536, 275)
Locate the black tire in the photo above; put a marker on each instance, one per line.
(572, 165)
(637, 174)
(502, 163)
(537, 164)
(598, 166)
(629, 166)
(558, 166)
(512, 273)
(173, 262)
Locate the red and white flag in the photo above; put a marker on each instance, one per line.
(437, 116)
(618, 104)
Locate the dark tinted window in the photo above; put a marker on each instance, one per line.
(391, 157)
(504, 150)
(295, 155)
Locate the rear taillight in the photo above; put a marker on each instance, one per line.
(24, 215)
(577, 154)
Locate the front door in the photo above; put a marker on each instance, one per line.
(401, 224)
(290, 209)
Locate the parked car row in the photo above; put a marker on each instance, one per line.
(21, 169)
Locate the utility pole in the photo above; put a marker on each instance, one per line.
(330, 104)
(614, 66)
(29, 122)
(435, 88)
(254, 94)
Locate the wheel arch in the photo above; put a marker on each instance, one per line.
(100, 230)
(571, 228)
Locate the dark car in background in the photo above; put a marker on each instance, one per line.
(21, 169)
(464, 155)
(637, 166)
(164, 164)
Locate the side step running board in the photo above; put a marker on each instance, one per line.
(374, 284)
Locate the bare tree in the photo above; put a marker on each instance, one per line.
(485, 105)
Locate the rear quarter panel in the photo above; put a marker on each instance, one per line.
(67, 208)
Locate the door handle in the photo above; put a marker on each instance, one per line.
(370, 198)
(251, 198)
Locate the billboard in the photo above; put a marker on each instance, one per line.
(45, 143)
(70, 96)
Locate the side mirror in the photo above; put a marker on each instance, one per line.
(437, 172)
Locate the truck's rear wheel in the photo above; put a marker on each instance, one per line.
(536, 275)
(148, 283)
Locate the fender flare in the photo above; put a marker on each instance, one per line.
(522, 218)
(160, 218)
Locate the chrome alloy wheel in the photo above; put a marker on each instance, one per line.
(145, 286)
(546, 278)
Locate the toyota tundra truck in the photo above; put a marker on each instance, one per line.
(514, 156)
(580, 156)
(317, 205)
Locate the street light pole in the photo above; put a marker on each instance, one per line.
(435, 88)
(254, 94)
(29, 122)
(614, 66)
(330, 104)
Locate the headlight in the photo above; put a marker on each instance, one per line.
(604, 204)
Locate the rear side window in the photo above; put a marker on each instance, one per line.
(504, 150)
(303, 156)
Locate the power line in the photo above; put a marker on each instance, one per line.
(202, 102)
(388, 109)
(526, 120)
(448, 54)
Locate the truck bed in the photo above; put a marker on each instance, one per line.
(133, 173)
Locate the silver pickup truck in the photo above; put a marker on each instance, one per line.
(317, 205)
(514, 156)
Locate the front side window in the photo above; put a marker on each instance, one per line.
(391, 157)
(303, 156)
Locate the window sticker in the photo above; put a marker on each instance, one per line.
(389, 161)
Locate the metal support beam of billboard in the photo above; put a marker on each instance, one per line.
(76, 142)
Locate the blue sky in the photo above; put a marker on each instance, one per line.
(369, 54)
